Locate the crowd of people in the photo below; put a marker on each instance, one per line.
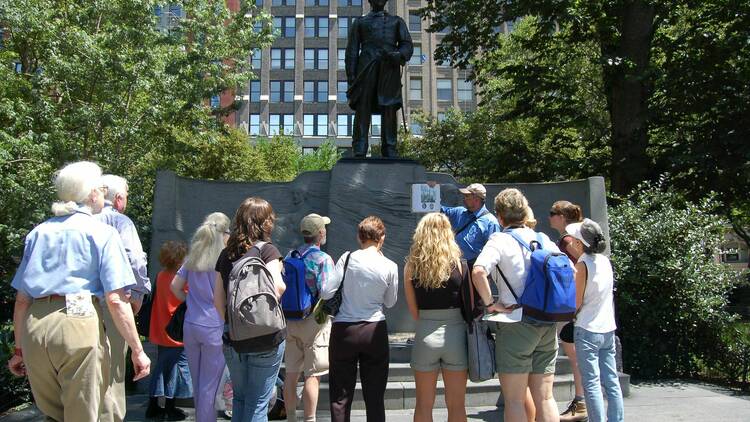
(83, 278)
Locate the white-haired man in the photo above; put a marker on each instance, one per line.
(71, 264)
(115, 202)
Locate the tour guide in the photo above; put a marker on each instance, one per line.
(472, 224)
(379, 44)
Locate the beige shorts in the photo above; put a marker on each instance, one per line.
(307, 346)
(526, 347)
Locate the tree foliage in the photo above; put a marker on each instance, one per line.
(672, 289)
(564, 137)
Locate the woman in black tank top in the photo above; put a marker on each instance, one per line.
(433, 276)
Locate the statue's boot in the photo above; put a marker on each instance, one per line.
(359, 148)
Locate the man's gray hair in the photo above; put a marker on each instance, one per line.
(115, 185)
(74, 184)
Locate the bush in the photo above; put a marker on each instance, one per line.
(672, 291)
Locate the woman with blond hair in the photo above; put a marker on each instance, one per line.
(433, 276)
(203, 326)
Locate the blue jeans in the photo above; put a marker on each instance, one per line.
(596, 360)
(254, 382)
(170, 376)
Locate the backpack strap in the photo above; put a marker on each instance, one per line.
(259, 246)
(519, 240)
(515, 296)
(470, 222)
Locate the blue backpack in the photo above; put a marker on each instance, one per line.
(297, 302)
(550, 289)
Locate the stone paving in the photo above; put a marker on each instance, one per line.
(657, 402)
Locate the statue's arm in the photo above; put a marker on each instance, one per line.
(405, 45)
(352, 52)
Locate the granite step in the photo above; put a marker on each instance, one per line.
(402, 394)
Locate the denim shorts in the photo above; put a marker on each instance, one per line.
(440, 341)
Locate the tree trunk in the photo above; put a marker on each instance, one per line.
(628, 88)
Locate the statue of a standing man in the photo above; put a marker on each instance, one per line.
(379, 44)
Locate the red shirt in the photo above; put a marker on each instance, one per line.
(162, 310)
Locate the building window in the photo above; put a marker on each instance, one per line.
(316, 26)
(415, 22)
(415, 88)
(282, 58)
(282, 91)
(316, 58)
(315, 125)
(416, 58)
(308, 151)
(416, 128)
(445, 90)
(316, 91)
(283, 3)
(341, 87)
(345, 124)
(215, 101)
(285, 26)
(375, 125)
(254, 91)
(254, 128)
(350, 2)
(465, 90)
(255, 58)
(341, 58)
(345, 22)
(281, 124)
(316, 2)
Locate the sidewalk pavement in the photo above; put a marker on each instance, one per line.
(653, 402)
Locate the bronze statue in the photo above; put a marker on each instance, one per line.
(379, 44)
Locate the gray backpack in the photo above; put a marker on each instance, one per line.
(252, 307)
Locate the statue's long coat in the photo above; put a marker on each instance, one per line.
(367, 71)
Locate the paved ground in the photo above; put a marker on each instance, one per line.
(678, 401)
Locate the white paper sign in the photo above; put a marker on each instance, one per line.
(425, 198)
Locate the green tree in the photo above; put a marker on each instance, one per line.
(566, 136)
(621, 33)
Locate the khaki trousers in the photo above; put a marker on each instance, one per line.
(114, 405)
(67, 361)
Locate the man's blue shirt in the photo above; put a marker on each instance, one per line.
(471, 240)
(72, 254)
(132, 243)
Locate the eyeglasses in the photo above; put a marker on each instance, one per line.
(552, 213)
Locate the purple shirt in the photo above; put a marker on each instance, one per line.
(200, 298)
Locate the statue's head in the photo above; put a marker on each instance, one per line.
(378, 4)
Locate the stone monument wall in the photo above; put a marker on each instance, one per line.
(352, 190)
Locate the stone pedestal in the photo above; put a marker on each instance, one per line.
(352, 190)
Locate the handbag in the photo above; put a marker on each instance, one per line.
(175, 324)
(481, 343)
(330, 307)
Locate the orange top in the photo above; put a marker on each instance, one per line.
(163, 309)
